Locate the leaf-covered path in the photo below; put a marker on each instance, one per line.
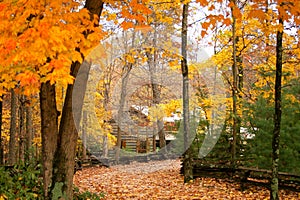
(161, 180)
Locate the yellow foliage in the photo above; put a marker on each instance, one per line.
(156, 112)
(37, 141)
(173, 106)
(42, 39)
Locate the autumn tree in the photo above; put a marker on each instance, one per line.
(12, 157)
(234, 85)
(1, 143)
(187, 161)
(156, 90)
(162, 21)
(274, 194)
(29, 131)
(64, 156)
(262, 16)
(47, 46)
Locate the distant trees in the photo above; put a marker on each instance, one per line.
(263, 58)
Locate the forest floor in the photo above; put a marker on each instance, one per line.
(161, 180)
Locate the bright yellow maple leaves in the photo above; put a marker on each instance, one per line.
(40, 40)
(256, 29)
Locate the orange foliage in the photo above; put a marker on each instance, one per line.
(40, 39)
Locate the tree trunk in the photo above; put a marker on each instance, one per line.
(1, 145)
(84, 132)
(12, 156)
(105, 145)
(240, 80)
(161, 135)
(277, 116)
(49, 129)
(29, 132)
(125, 77)
(152, 62)
(159, 122)
(22, 128)
(187, 160)
(64, 159)
(234, 90)
(154, 140)
(156, 96)
(119, 143)
(66, 139)
(106, 102)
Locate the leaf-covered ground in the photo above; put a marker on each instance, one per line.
(161, 180)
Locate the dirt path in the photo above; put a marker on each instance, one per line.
(161, 180)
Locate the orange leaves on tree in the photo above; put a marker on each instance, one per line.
(138, 7)
(203, 2)
(29, 82)
(236, 12)
(127, 25)
(126, 14)
(111, 16)
(211, 22)
(205, 25)
(136, 13)
(143, 28)
(10, 45)
(44, 38)
(2, 6)
(27, 78)
(60, 72)
(259, 14)
(43, 29)
(203, 33)
(227, 21)
(211, 7)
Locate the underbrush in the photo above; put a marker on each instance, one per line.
(21, 181)
(25, 182)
